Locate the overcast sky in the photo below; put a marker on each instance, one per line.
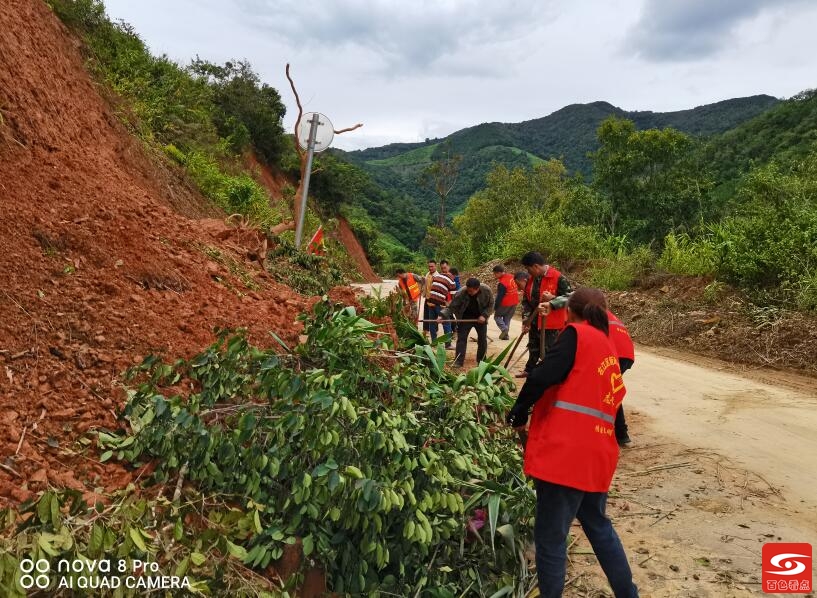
(411, 69)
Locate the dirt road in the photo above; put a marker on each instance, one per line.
(722, 461)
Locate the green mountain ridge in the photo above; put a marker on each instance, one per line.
(568, 133)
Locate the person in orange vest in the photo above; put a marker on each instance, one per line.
(545, 284)
(571, 451)
(411, 288)
(507, 298)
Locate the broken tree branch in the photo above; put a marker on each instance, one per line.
(300, 113)
(347, 129)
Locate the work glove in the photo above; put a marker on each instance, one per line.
(517, 416)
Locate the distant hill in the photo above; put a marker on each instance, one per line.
(786, 132)
(568, 133)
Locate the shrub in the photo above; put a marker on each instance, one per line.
(557, 241)
(770, 245)
(233, 193)
(683, 255)
(618, 273)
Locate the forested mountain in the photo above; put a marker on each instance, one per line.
(786, 132)
(568, 133)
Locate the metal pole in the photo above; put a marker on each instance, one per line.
(310, 151)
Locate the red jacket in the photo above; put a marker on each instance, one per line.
(621, 338)
(572, 441)
(557, 318)
(511, 296)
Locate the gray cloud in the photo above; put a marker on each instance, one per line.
(680, 30)
(406, 36)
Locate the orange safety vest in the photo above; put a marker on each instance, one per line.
(572, 439)
(412, 290)
(557, 318)
(511, 296)
(621, 338)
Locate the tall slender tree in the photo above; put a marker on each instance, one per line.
(441, 176)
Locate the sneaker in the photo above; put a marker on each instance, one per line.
(624, 440)
(449, 347)
(503, 336)
(521, 375)
(459, 366)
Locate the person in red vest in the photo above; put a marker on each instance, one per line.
(411, 288)
(507, 298)
(625, 351)
(571, 451)
(545, 284)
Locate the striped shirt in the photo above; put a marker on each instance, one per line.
(442, 285)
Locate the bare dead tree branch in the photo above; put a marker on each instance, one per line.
(300, 113)
(297, 200)
(347, 129)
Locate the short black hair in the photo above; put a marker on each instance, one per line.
(400, 271)
(454, 271)
(472, 283)
(443, 262)
(520, 275)
(533, 258)
(432, 261)
(499, 268)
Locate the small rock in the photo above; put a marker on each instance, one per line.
(39, 476)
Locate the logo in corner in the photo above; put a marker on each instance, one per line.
(787, 568)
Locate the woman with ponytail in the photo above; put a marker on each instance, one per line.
(572, 451)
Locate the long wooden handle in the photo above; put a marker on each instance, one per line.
(526, 322)
(459, 321)
(515, 346)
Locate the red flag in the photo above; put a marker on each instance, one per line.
(316, 242)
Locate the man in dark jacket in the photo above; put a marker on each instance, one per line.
(474, 302)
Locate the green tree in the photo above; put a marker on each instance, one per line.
(247, 111)
(510, 197)
(771, 242)
(651, 179)
(441, 176)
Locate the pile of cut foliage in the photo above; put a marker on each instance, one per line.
(356, 447)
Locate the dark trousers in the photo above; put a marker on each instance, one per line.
(556, 507)
(621, 424)
(533, 345)
(463, 331)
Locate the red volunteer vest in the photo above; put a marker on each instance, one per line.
(571, 441)
(620, 337)
(557, 318)
(511, 292)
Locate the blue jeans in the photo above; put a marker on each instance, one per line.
(432, 312)
(556, 507)
(503, 316)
